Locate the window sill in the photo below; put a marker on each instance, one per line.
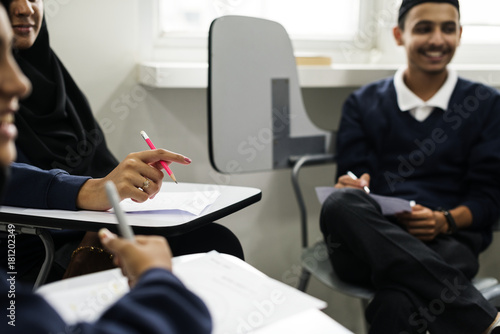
(195, 75)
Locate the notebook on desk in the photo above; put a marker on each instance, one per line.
(191, 202)
(240, 298)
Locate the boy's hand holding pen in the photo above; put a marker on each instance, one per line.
(351, 180)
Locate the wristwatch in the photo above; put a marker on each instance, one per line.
(450, 220)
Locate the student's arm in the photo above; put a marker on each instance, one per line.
(158, 302)
(353, 150)
(480, 207)
(426, 224)
(129, 177)
(483, 174)
(33, 187)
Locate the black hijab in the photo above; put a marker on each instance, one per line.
(56, 126)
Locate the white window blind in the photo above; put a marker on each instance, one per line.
(303, 19)
(481, 21)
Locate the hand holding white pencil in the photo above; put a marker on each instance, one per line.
(354, 177)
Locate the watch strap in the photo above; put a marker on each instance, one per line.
(451, 221)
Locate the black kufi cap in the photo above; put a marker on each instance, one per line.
(409, 4)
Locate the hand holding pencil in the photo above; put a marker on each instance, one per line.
(350, 180)
(137, 257)
(144, 252)
(138, 177)
(363, 182)
(163, 163)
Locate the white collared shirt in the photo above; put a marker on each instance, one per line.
(418, 108)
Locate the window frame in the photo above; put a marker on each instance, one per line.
(191, 49)
(375, 47)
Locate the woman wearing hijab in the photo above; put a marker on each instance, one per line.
(57, 131)
(157, 302)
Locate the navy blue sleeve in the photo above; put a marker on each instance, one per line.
(483, 173)
(159, 304)
(33, 187)
(353, 151)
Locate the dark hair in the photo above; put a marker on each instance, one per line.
(402, 20)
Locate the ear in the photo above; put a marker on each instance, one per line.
(398, 35)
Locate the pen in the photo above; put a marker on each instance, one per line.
(124, 228)
(163, 163)
(354, 177)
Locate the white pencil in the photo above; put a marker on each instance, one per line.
(354, 177)
(124, 228)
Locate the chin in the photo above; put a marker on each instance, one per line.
(437, 71)
(23, 43)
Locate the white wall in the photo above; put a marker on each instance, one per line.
(99, 41)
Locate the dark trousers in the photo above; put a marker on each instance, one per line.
(419, 286)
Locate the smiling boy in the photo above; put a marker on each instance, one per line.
(429, 136)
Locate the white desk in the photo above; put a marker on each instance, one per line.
(232, 199)
(36, 221)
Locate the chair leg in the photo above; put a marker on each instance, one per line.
(48, 243)
(304, 280)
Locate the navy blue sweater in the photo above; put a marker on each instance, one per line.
(32, 187)
(450, 159)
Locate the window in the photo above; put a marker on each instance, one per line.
(315, 26)
(480, 21)
(352, 31)
(311, 19)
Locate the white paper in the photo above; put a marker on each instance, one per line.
(240, 298)
(309, 321)
(392, 205)
(85, 298)
(389, 205)
(184, 201)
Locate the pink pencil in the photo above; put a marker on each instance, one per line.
(163, 163)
